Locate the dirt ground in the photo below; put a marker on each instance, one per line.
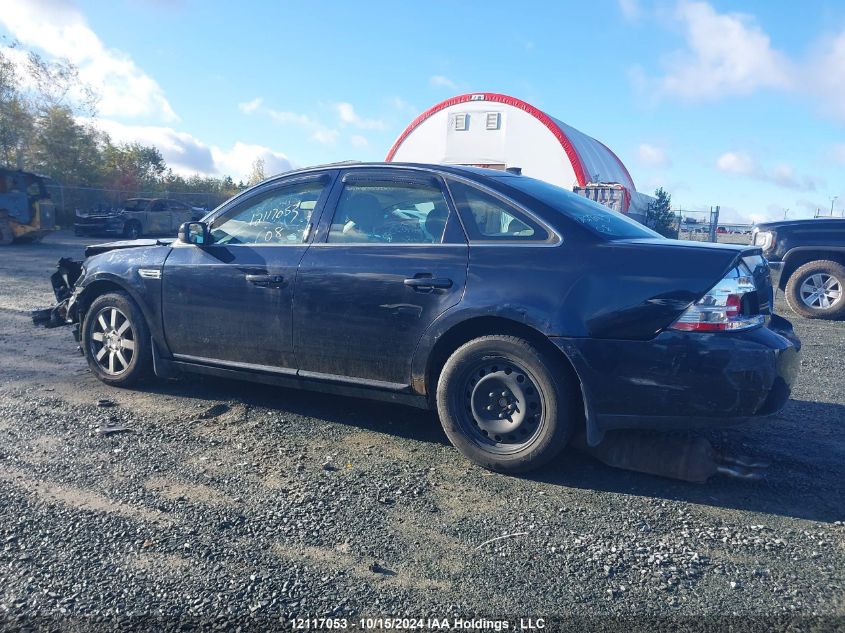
(229, 503)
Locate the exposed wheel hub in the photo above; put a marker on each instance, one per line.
(504, 403)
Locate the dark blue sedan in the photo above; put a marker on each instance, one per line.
(519, 311)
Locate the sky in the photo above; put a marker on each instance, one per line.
(737, 104)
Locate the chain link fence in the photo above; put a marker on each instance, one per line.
(69, 200)
(705, 226)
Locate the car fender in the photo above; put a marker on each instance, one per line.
(139, 277)
(793, 258)
(456, 316)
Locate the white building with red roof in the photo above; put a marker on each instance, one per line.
(498, 131)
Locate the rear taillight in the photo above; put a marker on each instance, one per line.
(730, 305)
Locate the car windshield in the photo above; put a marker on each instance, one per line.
(606, 222)
(135, 204)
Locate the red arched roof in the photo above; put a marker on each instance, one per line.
(542, 117)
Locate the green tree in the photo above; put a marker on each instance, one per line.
(660, 216)
(16, 118)
(66, 150)
(257, 173)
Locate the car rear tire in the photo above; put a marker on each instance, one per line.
(506, 405)
(116, 340)
(817, 290)
(132, 230)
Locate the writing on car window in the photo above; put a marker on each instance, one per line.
(280, 216)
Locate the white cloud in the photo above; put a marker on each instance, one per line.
(825, 75)
(248, 107)
(319, 132)
(630, 9)
(727, 53)
(439, 81)
(837, 153)
(737, 163)
(782, 174)
(237, 160)
(325, 136)
(347, 115)
(359, 141)
(188, 155)
(60, 30)
(652, 155)
(403, 106)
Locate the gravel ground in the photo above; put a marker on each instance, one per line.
(228, 503)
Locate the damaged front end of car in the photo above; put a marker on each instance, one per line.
(65, 312)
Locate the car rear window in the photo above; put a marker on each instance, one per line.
(599, 219)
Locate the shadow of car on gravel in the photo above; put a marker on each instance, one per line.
(804, 444)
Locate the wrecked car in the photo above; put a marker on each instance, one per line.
(137, 217)
(522, 313)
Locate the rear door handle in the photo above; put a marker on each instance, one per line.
(428, 283)
(266, 281)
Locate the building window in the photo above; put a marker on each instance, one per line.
(461, 122)
(493, 120)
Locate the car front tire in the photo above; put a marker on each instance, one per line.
(816, 290)
(506, 405)
(116, 340)
(132, 230)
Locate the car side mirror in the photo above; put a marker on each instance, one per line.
(194, 233)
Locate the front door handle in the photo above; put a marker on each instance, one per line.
(428, 283)
(266, 281)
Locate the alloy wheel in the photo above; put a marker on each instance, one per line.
(821, 291)
(112, 343)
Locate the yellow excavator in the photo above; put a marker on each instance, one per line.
(27, 213)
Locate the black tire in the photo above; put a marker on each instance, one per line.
(532, 390)
(810, 304)
(127, 358)
(132, 230)
(6, 235)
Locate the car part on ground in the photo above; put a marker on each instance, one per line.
(522, 312)
(817, 290)
(686, 457)
(807, 245)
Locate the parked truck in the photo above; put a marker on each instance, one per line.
(807, 260)
(26, 211)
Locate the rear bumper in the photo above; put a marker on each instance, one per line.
(776, 269)
(683, 380)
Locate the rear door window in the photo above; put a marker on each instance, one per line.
(598, 218)
(488, 218)
(390, 212)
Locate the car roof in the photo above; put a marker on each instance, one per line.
(827, 221)
(474, 173)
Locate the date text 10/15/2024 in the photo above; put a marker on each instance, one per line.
(417, 624)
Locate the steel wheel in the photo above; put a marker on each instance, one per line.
(821, 291)
(113, 339)
(504, 409)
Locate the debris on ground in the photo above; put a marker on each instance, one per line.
(685, 457)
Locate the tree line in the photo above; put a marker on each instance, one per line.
(47, 126)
